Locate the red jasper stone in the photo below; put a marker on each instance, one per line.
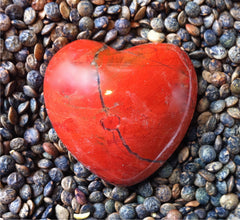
(120, 113)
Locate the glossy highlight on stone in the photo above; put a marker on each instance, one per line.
(120, 113)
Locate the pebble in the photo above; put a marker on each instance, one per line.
(15, 180)
(234, 54)
(163, 193)
(55, 174)
(29, 16)
(52, 11)
(13, 44)
(227, 39)
(155, 36)
(79, 170)
(222, 174)
(207, 153)
(164, 172)
(7, 165)
(229, 201)
(86, 23)
(5, 22)
(14, 11)
(61, 212)
(171, 24)
(214, 166)
(15, 205)
(119, 193)
(7, 195)
(233, 145)
(188, 193)
(174, 214)
(226, 120)
(85, 8)
(141, 211)
(127, 212)
(114, 216)
(122, 25)
(217, 106)
(145, 189)
(201, 196)
(192, 9)
(28, 38)
(62, 163)
(31, 136)
(157, 24)
(151, 204)
(96, 197)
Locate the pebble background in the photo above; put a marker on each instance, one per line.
(40, 179)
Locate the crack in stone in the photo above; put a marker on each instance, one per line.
(105, 109)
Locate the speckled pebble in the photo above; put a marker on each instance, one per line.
(222, 174)
(188, 193)
(171, 24)
(214, 166)
(145, 189)
(229, 201)
(127, 212)
(224, 156)
(119, 193)
(201, 196)
(234, 54)
(207, 153)
(7, 195)
(163, 193)
(7, 165)
(152, 204)
(192, 9)
(217, 106)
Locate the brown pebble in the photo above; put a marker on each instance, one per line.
(38, 5)
(234, 112)
(207, 175)
(140, 13)
(59, 43)
(218, 78)
(192, 30)
(50, 149)
(12, 116)
(117, 205)
(31, 206)
(23, 170)
(38, 51)
(183, 155)
(194, 203)
(10, 87)
(98, 2)
(130, 198)
(64, 10)
(203, 118)
(203, 105)
(176, 191)
(174, 214)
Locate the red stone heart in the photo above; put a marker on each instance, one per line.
(122, 114)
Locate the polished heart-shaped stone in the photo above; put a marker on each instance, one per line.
(120, 113)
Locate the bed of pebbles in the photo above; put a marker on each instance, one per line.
(40, 179)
